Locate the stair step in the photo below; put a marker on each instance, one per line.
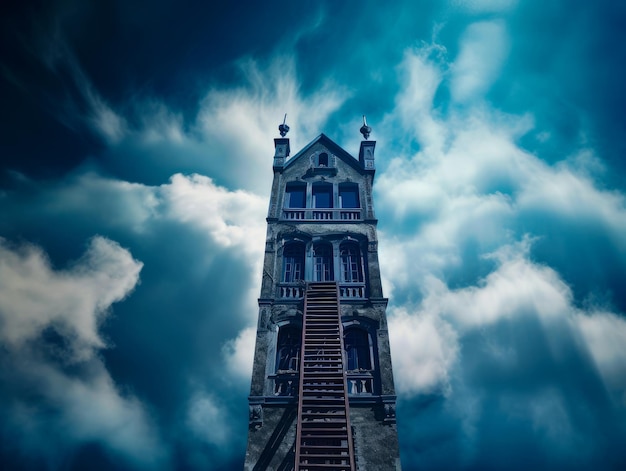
(324, 440)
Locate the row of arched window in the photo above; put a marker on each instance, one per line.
(350, 262)
(358, 351)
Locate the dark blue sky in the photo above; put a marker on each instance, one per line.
(136, 147)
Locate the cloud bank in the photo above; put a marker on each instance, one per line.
(52, 373)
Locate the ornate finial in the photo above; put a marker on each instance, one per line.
(365, 129)
(283, 128)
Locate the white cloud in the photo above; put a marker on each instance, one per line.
(239, 354)
(425, 347)
(568, 191)
(517, 287)
(425, 339)
(604, 334)
(239, 121)
(207, 419)
(34, 297)
(50, 336)
(471, 182)
(160, 124)
(231, 218)
(116, 203)
(412, 113)
(484, 47)
(104, 120)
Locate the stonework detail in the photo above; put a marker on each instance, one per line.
(256, 416)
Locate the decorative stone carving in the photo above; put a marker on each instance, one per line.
(390, 413)
(256, 416)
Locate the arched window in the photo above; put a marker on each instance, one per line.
(288, 349)
(351, 266)
(323, 263)
(349, 195)
(295, 195)
(356, 343)
(293, 263)
(322, 160)
(322, 195)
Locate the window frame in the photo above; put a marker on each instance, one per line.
(349, 188)
(319, 188)
(323, 263)
(358, 353)
(300, 187)
(288, 351)
(294, 262)
(351, 263)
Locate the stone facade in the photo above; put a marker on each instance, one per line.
(321, 227)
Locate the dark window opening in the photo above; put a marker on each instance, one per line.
(293, 263)
(295, 195)
(288, 349)
(351, 267)
(349, 195)
(322, 196)
(322, 160)
(323, 263)
(356, 343)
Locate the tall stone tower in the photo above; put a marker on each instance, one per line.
(322, 393)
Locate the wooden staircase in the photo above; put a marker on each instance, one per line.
(324, 436)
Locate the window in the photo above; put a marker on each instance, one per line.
(323, 263)
(293, 263)
(351, 268)
(295, 195)
(322, 160)
(288, 349)
(322, 195)
(349, 195)
(356, 343)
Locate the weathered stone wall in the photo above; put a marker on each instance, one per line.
(271, 447)
(375, 444)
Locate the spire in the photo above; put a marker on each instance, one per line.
(365, 129)
(366, 152)
(281, 145)
(283, 128)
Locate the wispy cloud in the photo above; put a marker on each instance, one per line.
(484, 47)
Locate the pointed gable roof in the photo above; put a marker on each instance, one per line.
(333, 147)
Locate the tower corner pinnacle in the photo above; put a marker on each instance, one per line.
(366, 151)
(281, 145)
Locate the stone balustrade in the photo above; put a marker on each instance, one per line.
(346, 290)
(327, 214)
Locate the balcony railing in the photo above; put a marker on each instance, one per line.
(291, 290)
(352, 290)
(360, 383)
(340, 214)
(296, 290)
(286, 383)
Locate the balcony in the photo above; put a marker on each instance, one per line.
(347, 291)
(325, 214)
(359, 383)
